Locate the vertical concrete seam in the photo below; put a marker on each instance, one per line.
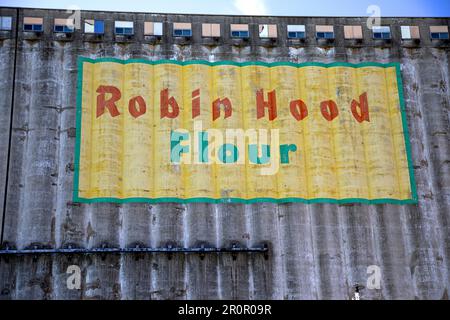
(10, 124)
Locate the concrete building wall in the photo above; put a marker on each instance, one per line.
(316, 251)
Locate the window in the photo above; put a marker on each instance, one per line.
(124, 28)
(153, 28)
(381, 32)
(268, 31)
(439, 32)
(410, 32)
(182, 30)
(64, 25)
(353, 32)
(94, 26)
(5, 23)
(33, 24)
(239, 30)
(324, 32)
(239, 34)
(211, 30)
(440, 35)
(296, 31)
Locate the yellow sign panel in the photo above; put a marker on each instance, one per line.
(159, 131)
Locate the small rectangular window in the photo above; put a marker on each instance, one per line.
(182, 32)
(64, 25)
(211, 30)
(381, 32)
(296, 31)
(410, 32)
(239, 30)
(94, 26)
(239, 34)
(5, 23)
(153, 28)
(124, 28)
(440, 35)
(182, 29)
(353, 32)
(324, 32)
(268, 31)
(33, 24)
(325, 35)
(439, 32)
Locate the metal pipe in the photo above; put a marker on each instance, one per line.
(104, 250)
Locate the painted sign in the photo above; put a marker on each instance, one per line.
(170, 131)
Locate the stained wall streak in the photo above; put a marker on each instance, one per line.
(318, 251)
(7, 51)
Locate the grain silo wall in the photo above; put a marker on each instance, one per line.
(316, 251)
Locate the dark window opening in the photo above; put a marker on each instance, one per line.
(182, 32)
(296, 34)
(32, 27)
(239, 34)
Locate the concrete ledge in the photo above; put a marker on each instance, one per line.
(153, 39)
(357, 43)
(63, 36)
(410, 43)
(240, 42)
(124, 38)
(324, 42)
(211, 41)
(268, 42)
(32, 35)
(296, 42)
(384, 43)
(93, 37)
(440, 42)
(5, 34)
(182, 40)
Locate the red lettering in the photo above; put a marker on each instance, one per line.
(109, 104)
(261, 104)
(363, 107)
(298, 109)
(195, 103)
(135, 112)
(329, 109)
(165, 102)
(216, 108)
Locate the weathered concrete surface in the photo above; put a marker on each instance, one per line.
(316, 251)
(6, 69)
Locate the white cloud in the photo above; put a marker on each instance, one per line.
(251, 7)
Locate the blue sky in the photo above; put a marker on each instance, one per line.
(413, 8)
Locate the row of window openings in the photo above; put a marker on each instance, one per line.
(213, 30)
